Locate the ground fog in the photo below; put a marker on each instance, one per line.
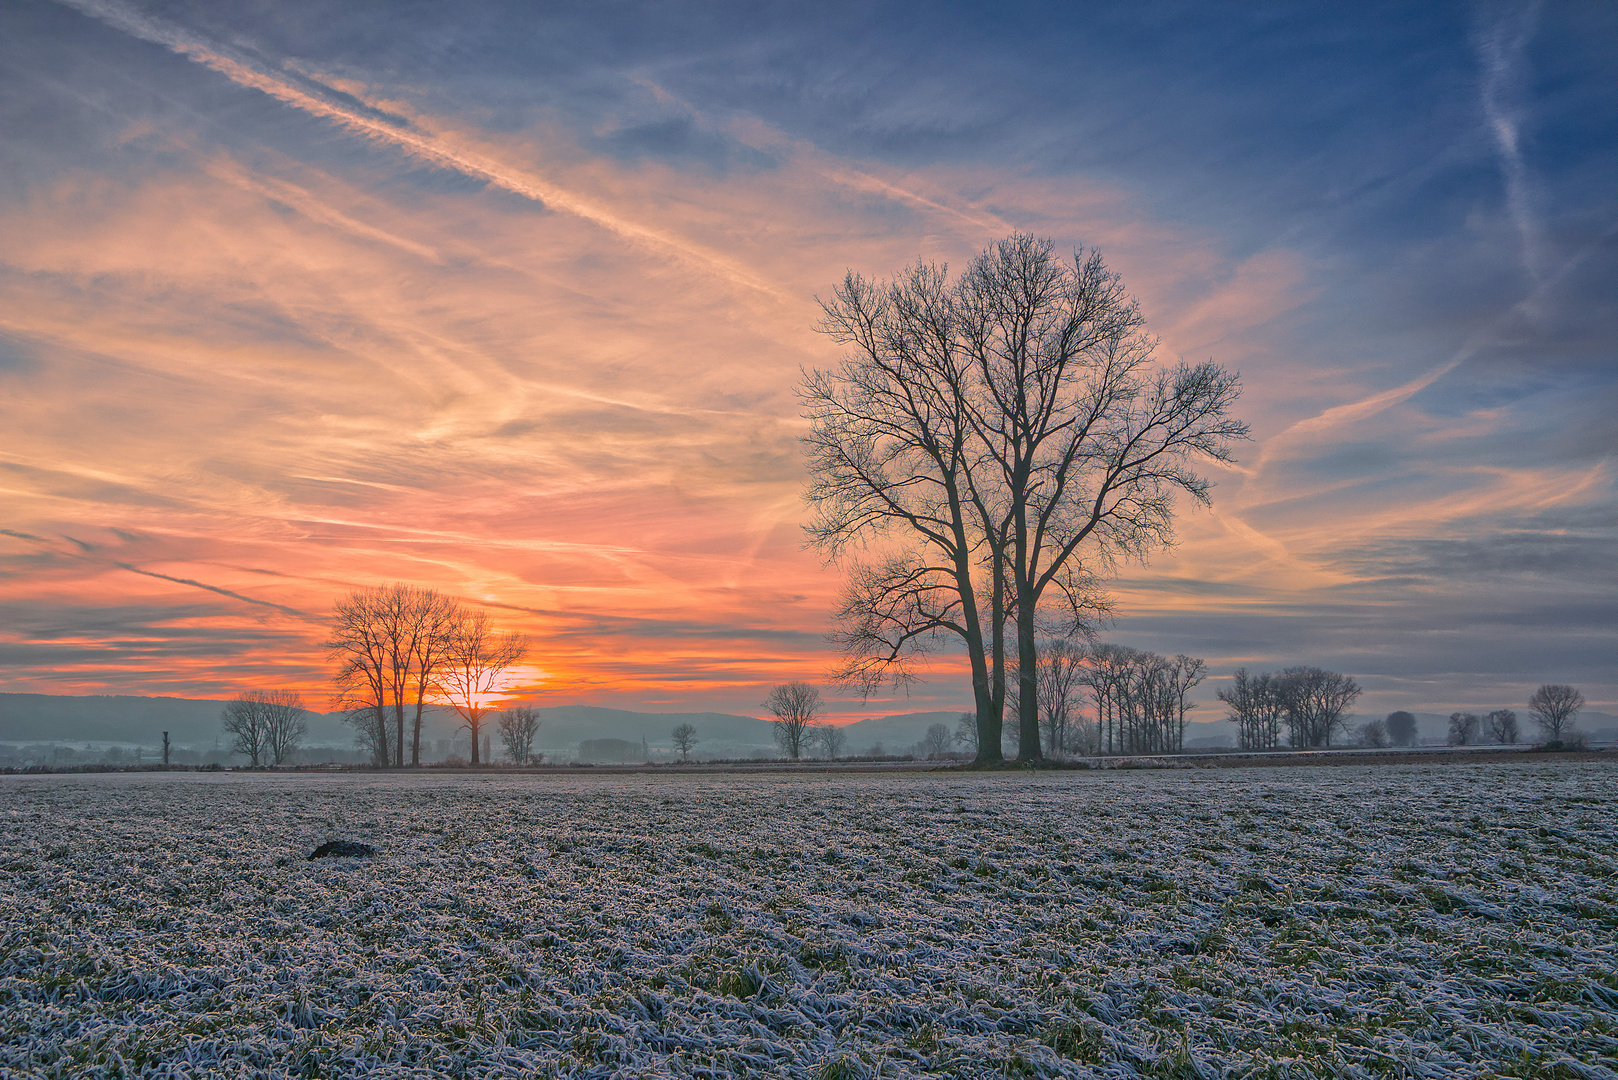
(1418, 920)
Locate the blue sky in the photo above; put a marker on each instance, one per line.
(510, 299)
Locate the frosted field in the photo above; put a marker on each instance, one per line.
(1419, 920)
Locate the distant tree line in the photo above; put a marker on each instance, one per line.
(1308, 703)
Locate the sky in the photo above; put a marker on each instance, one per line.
(512, 301)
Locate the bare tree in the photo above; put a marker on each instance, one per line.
(361, 644)
(1464, 728)
(476, 661)
(285, 722)
(1186, 673)
(244, 721)
(795, 706)
(685, 737)
(395, 609)
(937, 741)
(832, 739)
(1256, 708)
(891, 457)
(1007, 433)
(1317, 704)
(388, 642)
(1502, 725)
(1059, 681)
(1554, 708)
(1090, 441)
(518, 726)
(966, 732)
(432, 621)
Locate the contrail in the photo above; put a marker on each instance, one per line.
(89, 550)
(375, 124)
(210, 588)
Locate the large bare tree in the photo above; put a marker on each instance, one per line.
(891, 463)
(795, 706)
(476, 660)
(988, 445)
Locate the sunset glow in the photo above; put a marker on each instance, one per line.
(296, 303)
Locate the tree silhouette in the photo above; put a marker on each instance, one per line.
(1554, 707)
(997, 437)
(685, 737)
(795, 705)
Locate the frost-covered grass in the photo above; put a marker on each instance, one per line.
(1423, 920)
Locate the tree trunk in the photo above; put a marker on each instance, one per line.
(415, 735)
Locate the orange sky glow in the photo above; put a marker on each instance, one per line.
(400, 339)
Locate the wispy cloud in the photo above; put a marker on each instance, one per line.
(437, 148)
(1501, 39)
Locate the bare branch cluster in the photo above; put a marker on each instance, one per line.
(265, 725)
